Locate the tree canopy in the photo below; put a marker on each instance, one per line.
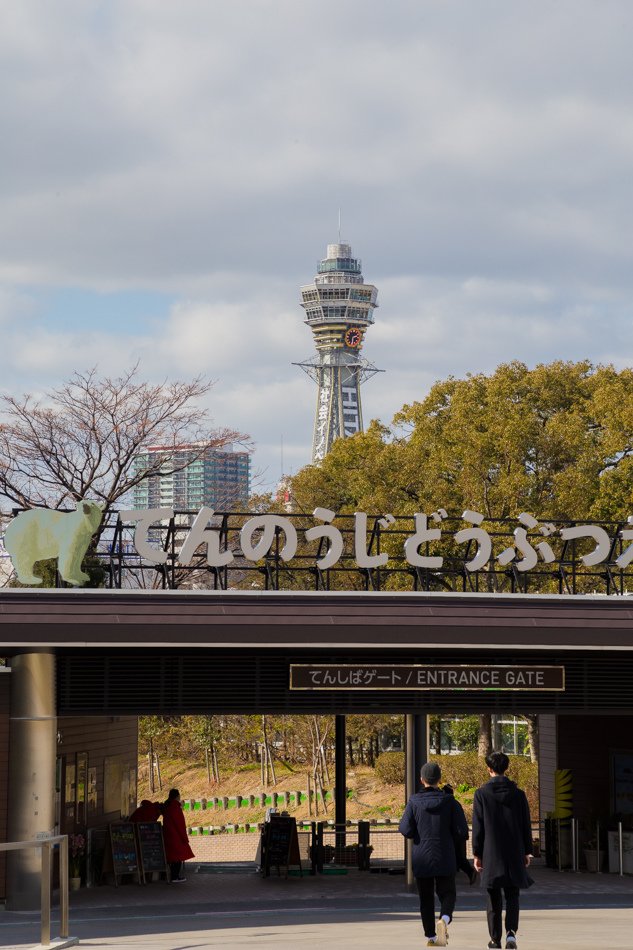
(555, 440)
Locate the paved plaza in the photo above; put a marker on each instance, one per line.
(353, 911)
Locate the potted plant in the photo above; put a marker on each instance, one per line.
(76, 855)
(594, 855)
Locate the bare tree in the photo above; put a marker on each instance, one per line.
(85, 439)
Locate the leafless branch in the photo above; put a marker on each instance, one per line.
(82, 440)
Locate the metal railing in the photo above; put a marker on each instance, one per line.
(565, 838)
(46, 845)
(339, 847)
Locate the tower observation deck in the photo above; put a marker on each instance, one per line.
(339, 308)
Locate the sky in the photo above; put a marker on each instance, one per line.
(170, 173)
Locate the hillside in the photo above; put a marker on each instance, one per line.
(370, 796)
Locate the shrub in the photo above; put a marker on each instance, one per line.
(390, 768)
(465, 772)
(466, 768)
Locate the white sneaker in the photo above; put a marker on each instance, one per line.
(441, 932)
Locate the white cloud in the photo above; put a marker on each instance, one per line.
(426, 329)
(480, 152)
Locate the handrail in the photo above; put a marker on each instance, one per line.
(46, 844)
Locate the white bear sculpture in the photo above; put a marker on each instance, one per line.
(40, 534)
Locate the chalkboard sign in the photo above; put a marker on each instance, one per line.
(151, 848)
(280, 844)
(123, 852)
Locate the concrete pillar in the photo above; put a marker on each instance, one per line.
(32, 752)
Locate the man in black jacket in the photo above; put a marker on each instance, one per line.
(434, 821)
(502, 846)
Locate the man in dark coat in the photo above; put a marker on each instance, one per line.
(434, 821)
(502, 846)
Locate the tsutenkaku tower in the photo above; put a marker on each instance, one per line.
(339, 307)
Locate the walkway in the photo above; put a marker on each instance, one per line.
(354, 911)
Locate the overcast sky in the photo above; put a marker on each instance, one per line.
(170, 172)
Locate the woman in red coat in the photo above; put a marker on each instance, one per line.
(177, 847)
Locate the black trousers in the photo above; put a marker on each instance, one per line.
(427, 888)
(175, 870)
(495, 909)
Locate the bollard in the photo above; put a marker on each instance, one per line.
(574, 864)
(251, 801)
(621, 849)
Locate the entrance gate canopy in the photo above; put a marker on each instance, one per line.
(184, 651)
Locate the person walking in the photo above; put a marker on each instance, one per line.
(175, 837)
(434, 821)
(502, 847)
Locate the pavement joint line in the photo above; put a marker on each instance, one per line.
(220, 913)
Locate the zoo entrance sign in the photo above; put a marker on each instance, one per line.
(259, 534)
(40, 534)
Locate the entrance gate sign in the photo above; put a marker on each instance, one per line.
(419, 677)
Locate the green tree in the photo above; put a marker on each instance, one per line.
(556, 440)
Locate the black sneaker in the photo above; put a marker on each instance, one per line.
(511, 941)
(494, 945)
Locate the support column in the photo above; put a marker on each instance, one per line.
(416, 751)
(340, 781)
(32, 751)
(547, 762)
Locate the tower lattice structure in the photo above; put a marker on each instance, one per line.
(339, 308)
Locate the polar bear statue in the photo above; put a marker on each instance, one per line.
(39, 534)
